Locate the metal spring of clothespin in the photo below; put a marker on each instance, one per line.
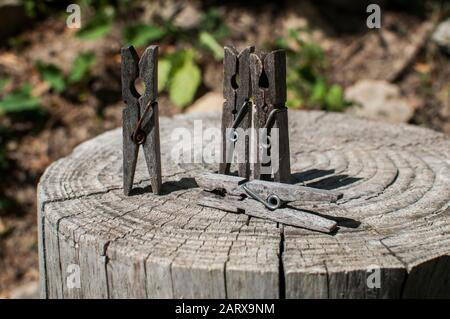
(140, 116)
(139, 135)
(272, 202)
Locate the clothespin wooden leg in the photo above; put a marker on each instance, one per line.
(130, 115)
(268, 78)
(283, 173)
(275, 66)
(148, 72)
(236, 91)
(260, 85)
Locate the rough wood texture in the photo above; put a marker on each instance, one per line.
(236, 90)
(211, 181)
(252, 198)
(146, 69)
(286, 192)
(285, 216)
(394, 214)
(289, 193)
(268, 77)
(130, 114)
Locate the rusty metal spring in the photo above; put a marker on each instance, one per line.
(139, 136)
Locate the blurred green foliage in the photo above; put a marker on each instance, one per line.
(306, 78)
(81, 67)
(54, 76)
(99, 25)
(141, 34)
(19, 100)
(180, 73)
(212, 22)
(185, 81)
(35, 8)
(207, 40)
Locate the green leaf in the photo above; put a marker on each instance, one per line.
(179, 58)
(335, 99)
(19, 100)
(185, 83)
(164, 68)
(207, 40)
(141, 34)
(52, 75)
(319, 92)
(98, 26)
(81, 67)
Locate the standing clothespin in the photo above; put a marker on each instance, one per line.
(140, 116)
(268, 77)
(237, 110)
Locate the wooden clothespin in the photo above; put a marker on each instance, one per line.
(264, 199)
(237, 110)
(263, 78)
(140, 116)
(268, 77)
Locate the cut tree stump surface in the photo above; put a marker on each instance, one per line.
(394, 215)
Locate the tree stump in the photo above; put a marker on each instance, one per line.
(394, 218)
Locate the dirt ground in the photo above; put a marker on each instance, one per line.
(69, 119)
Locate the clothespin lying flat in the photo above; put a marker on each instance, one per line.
(264, 199)
(268, 77)
(237, 111)
(140, 116)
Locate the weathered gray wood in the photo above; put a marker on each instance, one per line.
(286, 216)
(236, 90)
(41, 199)
(239, 187)
(290, 193)
(210, 181)
(394, 214)
(268, 78)
(145, 69)
(286, 192)
(130, 114)
(228, 203)
(148, 72)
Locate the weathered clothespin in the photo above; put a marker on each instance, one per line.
(268, 77)
(140, 116)
(237, 110)
(264, 199)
